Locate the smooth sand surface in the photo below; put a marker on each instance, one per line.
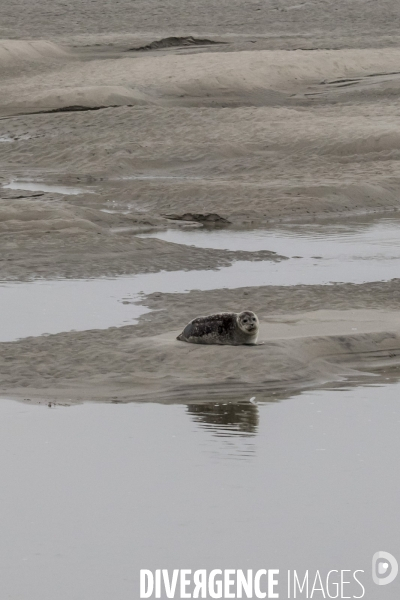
(20, 52)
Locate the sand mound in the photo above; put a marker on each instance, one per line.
(211, 79)
(14, 52)
(248, 78)
(82, 98)
(261, 78)
(41, 217)
(174, 42)
(300, 351)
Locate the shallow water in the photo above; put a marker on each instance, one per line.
(347, 255)
(42, 187)
(53, 306)
(93, 493)
(40, 307)
(348, 242)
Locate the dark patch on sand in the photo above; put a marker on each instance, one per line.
(175, 42)
(209, 218)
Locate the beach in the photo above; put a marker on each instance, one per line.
(102, 142)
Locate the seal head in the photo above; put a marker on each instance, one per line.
(222, 328)
(248, 322)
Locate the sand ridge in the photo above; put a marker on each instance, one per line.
(17, 52)
(244, 78)
(162, 368)
(300, 350)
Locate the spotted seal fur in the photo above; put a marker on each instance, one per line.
(223, 328)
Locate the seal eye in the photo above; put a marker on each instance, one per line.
(244, 320)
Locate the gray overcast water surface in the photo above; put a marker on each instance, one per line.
(349, 241)
(91, 494)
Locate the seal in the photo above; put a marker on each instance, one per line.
(223, 328)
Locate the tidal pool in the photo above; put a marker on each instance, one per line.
(93, 493)
(345, 241)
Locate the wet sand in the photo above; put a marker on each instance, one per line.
(102, 142)
(323, 318)
(125, 364)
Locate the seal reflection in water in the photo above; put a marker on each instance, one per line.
(223, 328)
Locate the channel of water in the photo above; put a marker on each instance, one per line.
(343, 256)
